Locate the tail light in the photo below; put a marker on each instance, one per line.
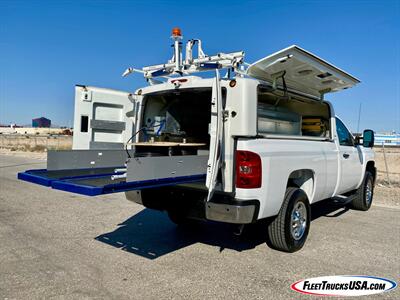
(248, 170)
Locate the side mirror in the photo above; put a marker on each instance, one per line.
(368, 138)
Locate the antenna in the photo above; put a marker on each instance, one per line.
(359, 117)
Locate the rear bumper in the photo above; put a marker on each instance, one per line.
(223, 207)
(231, 210)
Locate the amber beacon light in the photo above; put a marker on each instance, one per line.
(176, 31)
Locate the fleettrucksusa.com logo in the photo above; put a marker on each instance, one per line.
(343, 285)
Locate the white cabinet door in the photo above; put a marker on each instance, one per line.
(303, 71)
(103, 118)
(216, 132)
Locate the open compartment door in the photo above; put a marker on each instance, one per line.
(104, 118)
(216, 134)
(302, 71)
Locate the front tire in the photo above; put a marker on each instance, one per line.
(363, 197)
(289, 230)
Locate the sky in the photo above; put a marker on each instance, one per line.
(47, 47)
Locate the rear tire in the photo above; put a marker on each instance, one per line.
(289, 230)
(363, 197)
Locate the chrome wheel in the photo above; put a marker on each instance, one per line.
(368, 193)
(298, 220)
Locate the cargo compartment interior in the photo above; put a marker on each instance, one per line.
(282, 114)
(175, 122)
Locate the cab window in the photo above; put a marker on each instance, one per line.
(345, 137)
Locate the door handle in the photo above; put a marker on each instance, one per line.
(346, 155)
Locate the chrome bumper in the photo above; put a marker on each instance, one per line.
(237, 212)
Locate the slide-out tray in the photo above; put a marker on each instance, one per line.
(88, 172)
(93, 182)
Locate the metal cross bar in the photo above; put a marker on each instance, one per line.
(189, 65)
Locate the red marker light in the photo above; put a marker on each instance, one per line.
(179, 80)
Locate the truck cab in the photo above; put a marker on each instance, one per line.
(259, 143)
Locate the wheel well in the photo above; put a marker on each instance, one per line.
(303, 179)
(371, 168)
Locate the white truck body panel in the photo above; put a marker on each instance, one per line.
(282, 157)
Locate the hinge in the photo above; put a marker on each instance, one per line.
(323, 92)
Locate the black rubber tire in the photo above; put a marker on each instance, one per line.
(279, 235)
(359, 201)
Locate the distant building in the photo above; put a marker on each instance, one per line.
(41, 122)
(387, 139)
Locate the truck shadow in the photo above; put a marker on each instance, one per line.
(151, 234)
(330, 208)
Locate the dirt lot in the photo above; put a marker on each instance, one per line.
(65, 246)
(393, 162)
(386, 193)
(34, 143)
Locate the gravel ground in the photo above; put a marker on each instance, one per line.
(387, 196)
(65, 246)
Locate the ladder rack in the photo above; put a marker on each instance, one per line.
(177, 66)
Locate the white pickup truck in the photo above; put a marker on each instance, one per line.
(258, 143)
